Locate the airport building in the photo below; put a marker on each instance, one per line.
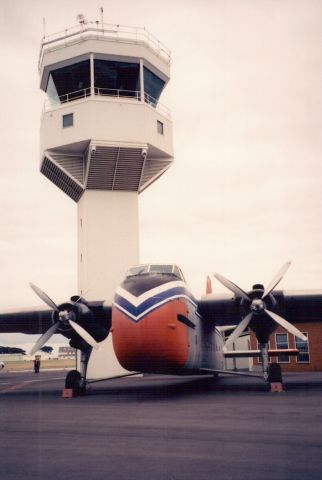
(105, 137)
(310, 357)
(66, 353)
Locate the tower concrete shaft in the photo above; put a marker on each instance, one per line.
(108, 241)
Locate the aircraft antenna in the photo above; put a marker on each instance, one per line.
(43, 27)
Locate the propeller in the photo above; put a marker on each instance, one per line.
(44, 297)
(65, 317)
(257, 305)
(43, 339)
(238, 330)
(287, 325)
(232, 287)
(276, 280)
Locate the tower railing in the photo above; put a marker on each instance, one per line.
(117, 92)
(110, 32)
(85, 93)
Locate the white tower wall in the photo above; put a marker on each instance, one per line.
(108, 241)
(128, 122)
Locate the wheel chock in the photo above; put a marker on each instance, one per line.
(277, 387)
(69, 393)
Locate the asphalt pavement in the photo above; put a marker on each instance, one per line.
(157, 427)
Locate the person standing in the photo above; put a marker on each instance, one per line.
(37, 364)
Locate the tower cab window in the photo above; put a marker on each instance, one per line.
(116, 78)
(153, 87)
(69, 83)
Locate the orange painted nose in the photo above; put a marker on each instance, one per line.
(158, 343)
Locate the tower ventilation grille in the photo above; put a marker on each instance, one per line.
(115, 168)
(74, 164)
(61, 179)
(101, 168)
(153, 169)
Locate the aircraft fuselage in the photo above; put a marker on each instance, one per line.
(156, 327)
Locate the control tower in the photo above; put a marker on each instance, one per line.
(105, 137)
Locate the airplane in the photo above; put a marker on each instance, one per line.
(158, 326)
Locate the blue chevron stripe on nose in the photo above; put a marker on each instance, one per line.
(138, 312)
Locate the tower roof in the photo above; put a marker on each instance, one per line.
(117, 40)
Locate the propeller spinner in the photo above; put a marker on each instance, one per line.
(258, 306)
(64, 317)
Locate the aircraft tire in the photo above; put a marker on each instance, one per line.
(73, 380)
(275, 373)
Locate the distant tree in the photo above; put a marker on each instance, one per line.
(9, 350)
(47, 349)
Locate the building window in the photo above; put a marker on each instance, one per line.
(303, 347)
(282, 344)
(68, 120)
(159, 127)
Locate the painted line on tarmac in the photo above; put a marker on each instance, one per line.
(17, 386)
(41, 370)
(26, 383)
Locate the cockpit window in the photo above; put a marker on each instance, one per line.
(138, 270)
(177, 272)
(161, 268)
(155, 268)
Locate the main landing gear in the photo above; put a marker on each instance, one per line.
(75, 383)
(272, 372)
(275, 378)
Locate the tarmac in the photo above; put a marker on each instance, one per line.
(161, 427)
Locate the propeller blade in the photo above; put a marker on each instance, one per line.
(238, 330)
(43, 339)
(84, 334)
(276, 280)
(287, 325)
(232, 287)
(44, 297)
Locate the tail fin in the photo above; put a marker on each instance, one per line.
(209, 285)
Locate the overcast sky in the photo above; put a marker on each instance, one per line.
(244, 194)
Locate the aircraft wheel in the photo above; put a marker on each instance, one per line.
(274, 373)
(73, 380)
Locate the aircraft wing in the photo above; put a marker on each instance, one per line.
(220, 309)
(302, 306)
(38, 320)
(296, 306)
(28, 320)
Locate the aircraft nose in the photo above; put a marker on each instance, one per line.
(156, 343)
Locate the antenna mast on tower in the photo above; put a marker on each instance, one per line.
(102, 16)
